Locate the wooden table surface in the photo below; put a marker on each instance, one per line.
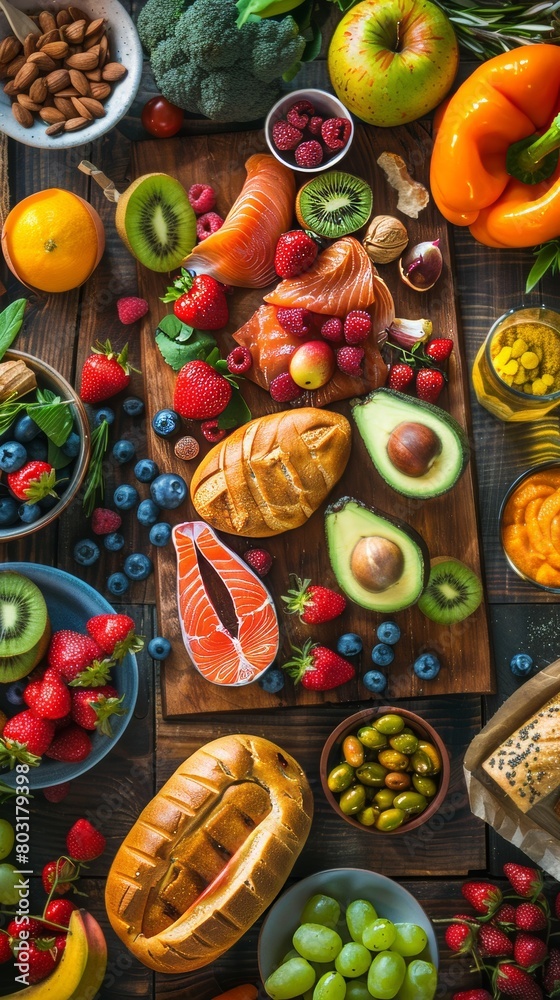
(431, 864)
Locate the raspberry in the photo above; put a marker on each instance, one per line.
(259, 560)
(296, 321)
(285, 136)
(56, 793)
(207, 224)
(202, 198)
(349, 360)
(239, 360)
(335, 132)
(104, 521)
(332, 330)
(212, 432)
(283, 389)
(357, 326)
(300, 113)
(314, 125)
(131, 309)
(309, 154)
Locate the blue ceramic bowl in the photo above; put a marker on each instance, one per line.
(70, 603)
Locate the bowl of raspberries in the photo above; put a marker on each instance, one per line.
(309, 130)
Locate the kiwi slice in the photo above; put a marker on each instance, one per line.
(12, 668)
(334, 204)
(23, 614)
(453, 592)
(155, 220)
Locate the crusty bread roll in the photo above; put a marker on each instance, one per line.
(271, 474)
(209, 853)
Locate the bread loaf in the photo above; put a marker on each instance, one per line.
(527, 764)
(209, 853)
(271, 474)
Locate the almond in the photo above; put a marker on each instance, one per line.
(46, 21)
(13, 68)
(94, 26)
(58, 80)
(94, 107)
(100, 91)
(57, 128)
(93, 39)
(94, 74)
(83, 60)
(75, 123)
(3, 71)
(62, 18)
(44, 62)
(56, 50)
(9, 89)
(49, 36)
(74, 32)
(78, 15)
(80, 82)
(65, 105)
(26, 102)
(10, 47)
(26, 75)
(29, 44)
(52, 115)
(22, 115)
(113, 71)
(38, 90)
(103, 50)
(67, 92)
(81, 109)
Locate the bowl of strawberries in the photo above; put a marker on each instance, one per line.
(66, 700)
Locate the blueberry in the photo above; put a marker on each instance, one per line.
(123, 451)
(72, 445)
(113, 542)
(38, 450)
(12, 456)
(165, 423)
(138, 566)
(374, 680)
(159, 648)
(168, 490)
(349, 644)
(382, 655)
(29, 512)
(133, 406)
(8, 511)
(388, 633)
(25, 429)
(86, 552)
(125, 497)
(147, 512)
(14, 692)
(427, 666)
(104, 413)
(145, 470)
(117, 584)
(521, 665)
(160, 533)
(273, 680)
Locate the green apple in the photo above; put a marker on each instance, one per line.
(392, 61)
(312, 365)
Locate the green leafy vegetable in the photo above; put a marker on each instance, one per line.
(52, 414)
(236, 412)
(94, 482)
(179, 343)
(56, 457)
(11, 319)
(548, 259)
(8, 413)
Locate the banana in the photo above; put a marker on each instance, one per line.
(81, 969)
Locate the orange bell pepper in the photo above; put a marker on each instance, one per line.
(508, 194)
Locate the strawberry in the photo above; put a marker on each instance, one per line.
(198, 300)
(314, 604)
(295, 252)
(212, 431)
(56, 793)
(300, 113)
(439, 349)
(483, 896)
(309, 154)
(296, 321)
(494, 943)
(73, 654)
(92, 708)
(528, 950)
(515, 982)
(429, 383)
(40, 957)
(285, 136)
(551, 979)
(459, 938)
(114, 634)
(59, 911)
(530, 917)
(332, 329)
(207, 224)
(476, 994)
(84, 842)
(357, 326)
(33, 482)
(71, 745)
(202, 198)
(349, 360)
(104, 373)
(62, 872)
(49, 697)
(318, 668)
(335, 132)
(30, 926)
(131, 309)
(6, 953)
(527, 882)
(200, 391)
(400, 375)
(505, 916)
(259, 560)
(104, 521)
(25, 735)
(283, 389)
(60, 945)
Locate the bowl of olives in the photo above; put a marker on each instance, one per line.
(386, 771)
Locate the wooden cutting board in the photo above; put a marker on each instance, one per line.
(448, 523)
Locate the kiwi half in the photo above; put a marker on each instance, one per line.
(453, 592)
(12, 668)
(334, 204)
(156, 222)
(23, 614)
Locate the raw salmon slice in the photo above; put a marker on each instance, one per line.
(341, 279)
(220, 657)
(242, 252)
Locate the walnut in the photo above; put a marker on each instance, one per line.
(385, 240)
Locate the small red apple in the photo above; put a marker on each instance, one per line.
(312, 364)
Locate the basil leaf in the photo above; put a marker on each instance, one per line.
(56, 457)
(172, 326)
(235, 414)
(177, 354)
(52, 415)
(11, 320)
(547, 257)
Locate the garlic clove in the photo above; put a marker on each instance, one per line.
(421, 265)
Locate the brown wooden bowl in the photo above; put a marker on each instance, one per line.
(332, 755)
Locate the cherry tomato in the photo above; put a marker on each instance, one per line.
(161, 118)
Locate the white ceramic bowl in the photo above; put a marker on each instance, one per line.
(327, 106)
(344, 884)
(124, 48)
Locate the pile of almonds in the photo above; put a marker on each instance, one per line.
(64, 74)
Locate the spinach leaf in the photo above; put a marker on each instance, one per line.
(11, 320)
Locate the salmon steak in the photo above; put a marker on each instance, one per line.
(340, 280)
(222, 658)
(241, 253)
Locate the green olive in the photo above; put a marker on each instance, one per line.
(421, 763)
(353, 751)
(353, 800)
(404, 742)
(389, 725)
(371, 774)
(426, 786)
(368, 816)
(398, 781)
(384, 798)
(393, 760)
(410, 802)
(341, 777)
(433, 753)
(371, 738)
(390, 819)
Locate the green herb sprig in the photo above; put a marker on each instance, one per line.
(547, 259)
(95, 482)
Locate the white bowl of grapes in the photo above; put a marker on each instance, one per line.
(348, 934)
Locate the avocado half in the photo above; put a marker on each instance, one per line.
(401, 562)
(380, 413)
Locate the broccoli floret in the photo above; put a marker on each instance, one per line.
(224, 96)
(157, 20)
(208, 33)
(167, 55)
(276, 46)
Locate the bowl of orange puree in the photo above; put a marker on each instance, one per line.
(530, 526)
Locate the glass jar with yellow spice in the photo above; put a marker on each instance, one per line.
(516, 373)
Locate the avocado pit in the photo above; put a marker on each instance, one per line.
(412, 448)
(376, 563)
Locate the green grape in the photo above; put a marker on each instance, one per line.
(379, 935)
(7, 837)
(354, 960)
(420, 981)
(358, 915)
(9, 878)
(321, 909)
(357, 990)
(292, 953)
(317, 943)
(386, 974)
(290, 980)
(410, 940)
(331, 986)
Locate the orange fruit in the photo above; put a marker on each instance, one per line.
(53, 240)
